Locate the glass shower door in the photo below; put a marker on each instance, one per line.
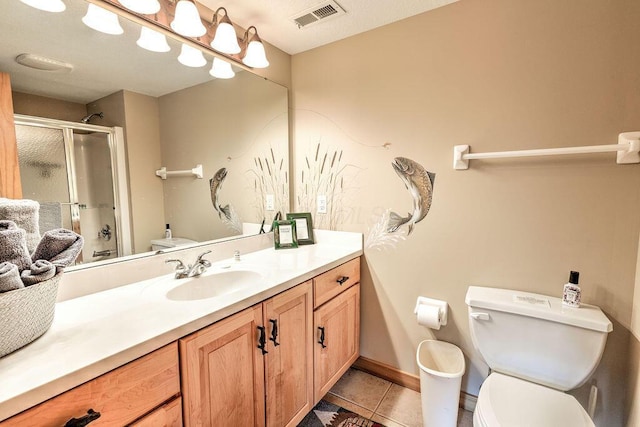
(69, 173)
(45, 174)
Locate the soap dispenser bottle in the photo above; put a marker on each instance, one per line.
(167, 232)
(571, 293)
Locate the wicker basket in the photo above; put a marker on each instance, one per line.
(26, 314)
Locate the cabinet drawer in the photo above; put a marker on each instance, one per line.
(121, 396)
(168, 415)
(329, 284)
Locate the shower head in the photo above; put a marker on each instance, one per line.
(86, 119)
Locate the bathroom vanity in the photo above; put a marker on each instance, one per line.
(165, 351)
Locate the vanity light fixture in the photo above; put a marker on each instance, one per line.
(221, 69)
(153, 40)
(191, 57)
(187, 20)
(102, 20)
(255, 55)
(145, 7)
(46, 5)
(225, 39)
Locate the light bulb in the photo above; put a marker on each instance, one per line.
(153, 40)
(255, 56)
(225, 39)
(221, 69)
(187, 20)
(191, 57)
(102, 20)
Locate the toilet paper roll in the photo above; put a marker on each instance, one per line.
(429, 316)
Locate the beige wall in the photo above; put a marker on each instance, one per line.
(40, 106)
(138, 115)
(230, 124)
(498, 75)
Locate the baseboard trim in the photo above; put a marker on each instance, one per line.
(388, 373)
(396, 376)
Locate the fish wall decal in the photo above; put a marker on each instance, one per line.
(215, 184)
(419, 182)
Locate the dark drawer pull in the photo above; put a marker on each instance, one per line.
(321, 340)
(84, 420)
(262, 339)
(274, 332)
(342, 280)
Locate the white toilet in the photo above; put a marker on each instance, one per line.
(171, 242)
(536, 349)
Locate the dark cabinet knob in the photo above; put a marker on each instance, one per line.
(262, 339)
(342, 279)
(321, 340)
(84, 420)
(274, 332)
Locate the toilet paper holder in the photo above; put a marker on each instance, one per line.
(443, 308)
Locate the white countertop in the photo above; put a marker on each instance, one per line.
(96, 333)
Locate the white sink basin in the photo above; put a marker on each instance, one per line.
(221, 282)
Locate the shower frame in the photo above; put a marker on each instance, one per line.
(115, 139)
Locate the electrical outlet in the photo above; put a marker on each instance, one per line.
(270, 202)
(322, 204)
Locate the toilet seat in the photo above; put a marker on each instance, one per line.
(506, 401)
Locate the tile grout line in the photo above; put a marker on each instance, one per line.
(350, 401)
(383, 396)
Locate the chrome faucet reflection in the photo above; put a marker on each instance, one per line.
(195, 270)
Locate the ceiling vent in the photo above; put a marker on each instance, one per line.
(321, 12)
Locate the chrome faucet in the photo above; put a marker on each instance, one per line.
(195, 270)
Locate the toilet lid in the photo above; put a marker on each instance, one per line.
(509, 402)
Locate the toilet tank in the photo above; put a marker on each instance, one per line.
(535, 337)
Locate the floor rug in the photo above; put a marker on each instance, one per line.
(326, 414)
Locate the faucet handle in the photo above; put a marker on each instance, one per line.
(200, 260)
(179, 264)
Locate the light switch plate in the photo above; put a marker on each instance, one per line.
(322, 204)
(270, 202)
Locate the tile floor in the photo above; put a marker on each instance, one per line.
(382, 401)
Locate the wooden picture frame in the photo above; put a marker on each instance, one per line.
(304, 227)
(284, 234)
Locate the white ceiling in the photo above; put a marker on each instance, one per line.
(104, 64)
(273, 20)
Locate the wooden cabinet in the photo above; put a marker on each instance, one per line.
(335, 281)
(223, 373)
(336, 324)
(120, 396)
(267, 365)
(289, 364)
(337, 327)
(228, 380)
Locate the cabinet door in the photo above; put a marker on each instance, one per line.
(337, 339)
(223, 373)
(289, 363)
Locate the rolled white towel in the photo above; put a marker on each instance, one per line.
(13, 247)
(9, 277)
(39, 271)
(25, 213)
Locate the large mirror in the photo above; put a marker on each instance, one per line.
(172, 116)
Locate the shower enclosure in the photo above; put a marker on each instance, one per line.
(76, 172)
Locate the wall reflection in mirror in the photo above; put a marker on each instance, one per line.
(171, 116)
